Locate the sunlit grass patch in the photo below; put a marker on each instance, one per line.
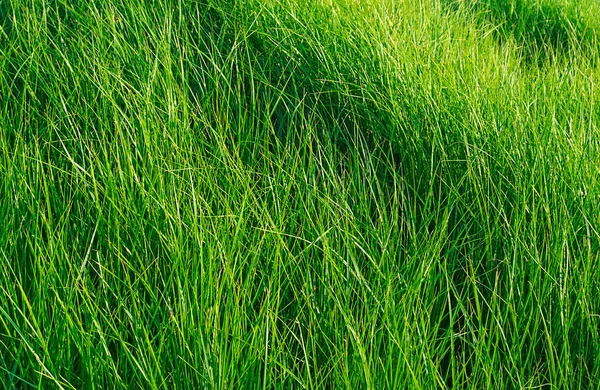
(541, 29)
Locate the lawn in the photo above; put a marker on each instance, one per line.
(290, 194)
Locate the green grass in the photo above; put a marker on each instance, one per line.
(376, 194)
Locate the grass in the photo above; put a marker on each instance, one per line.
(284, 194)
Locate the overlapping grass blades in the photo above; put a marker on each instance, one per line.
(282, 194)
(542, 29)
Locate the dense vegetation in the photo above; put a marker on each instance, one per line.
(234, 194)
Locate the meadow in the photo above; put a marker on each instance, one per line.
(286, 194)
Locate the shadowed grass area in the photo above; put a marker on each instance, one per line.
(284, 194)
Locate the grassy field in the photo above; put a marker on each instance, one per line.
(320, 194)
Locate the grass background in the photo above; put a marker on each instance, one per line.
(353, 194)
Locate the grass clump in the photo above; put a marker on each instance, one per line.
(542, 29)
(284, 194)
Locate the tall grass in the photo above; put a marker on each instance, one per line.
(231, 194)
